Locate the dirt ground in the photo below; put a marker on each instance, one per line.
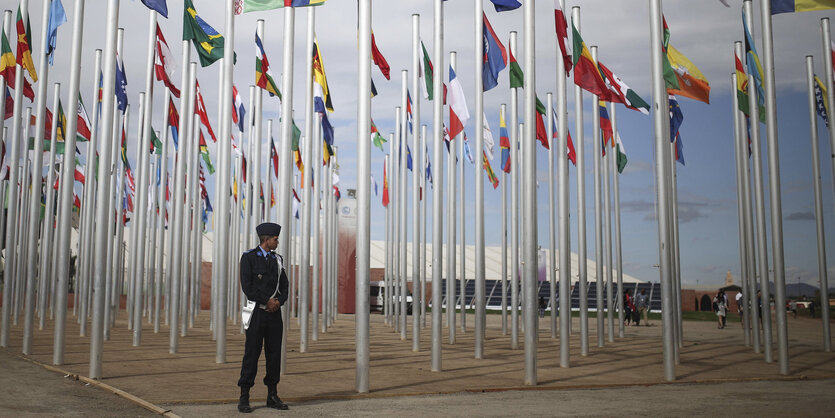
(716, 364)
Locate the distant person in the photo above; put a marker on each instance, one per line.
(542, 306)
(740, 303)
(793, 308)
(720, 307)
(812, 308)
(642, 304)
(628, 307)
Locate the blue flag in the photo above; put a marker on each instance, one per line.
(121, 85)
(676, 117)
(57, 17)
(158, 5)
(679, 149)
(495, 56)
(327, 128)
(408, 157)
(506, 5)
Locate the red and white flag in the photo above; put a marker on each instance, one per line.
(561, 26)
(83, 122)
(200, 109)
(164, 64)
(458, 112)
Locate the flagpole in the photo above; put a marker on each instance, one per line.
(598, 216)
(740, 159)
(363, 193)
(514, 208)
(160, 221)
(504, 192)
(617, 224)
(49, 227)
(399, 269)
(102, 215)
(750, 251)
(425, 164)
(37, 176)
(582, 256)
(86, 254)
(824, 280)
(660, 119)
(437, 202)
(552, 255)
(530, 220)
(774, 186)
(304, 282)
(451, 239)
(611, 303)
(387, 293)
(417, 175)
(462, 250)
(14, 192)
(480, 308)
(402, 138)
(564, 219)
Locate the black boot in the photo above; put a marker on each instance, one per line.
(243, 402)
(273, 401)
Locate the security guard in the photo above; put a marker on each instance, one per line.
(263, 281)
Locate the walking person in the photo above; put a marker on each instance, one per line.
(628, 307)
(265, 284)
(642, 303)
(720, 306)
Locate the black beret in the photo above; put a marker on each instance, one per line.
(269, 229)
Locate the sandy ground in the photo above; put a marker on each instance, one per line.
(715, 365)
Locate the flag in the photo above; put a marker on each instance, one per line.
(246, 6)
(164, 64)
(206, 40)
(273, 157)
(755, 69)
(409, 109)
(605, 124)
(327, 128)
(263, 76)
(541, 133)
(385, 187)
(742, 89)
(692, 83)
(83, 124)
(586, 73)
(24, 42)
(791, 6)
(174, 122)
(121, 84)
(379, 59)
(319, 75)
(458, 112)
(272, 196)
(297, 154)
(670, 78)
(156, 144)
(428, 73)
(467, 151)
(821, 101)
(374, 184)
(505, 5)
(7, 61)
(517, 77)
(204, 152)
(57, 17)
(243, 166)
(296, 204)
(200, 109)
(619, 92)
(373, 88)
(158, 6)
(504, 143)
(679, 149)
(376, 138)
(238, 111)
(408, 157)
(561, 26)
(9, 108)
(620, 152)
(495, 56)
(488, 143)
(489, 170)
(428, 167)
(61, 124)
(569, 143)
(676, 117)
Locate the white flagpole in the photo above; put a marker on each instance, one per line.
(660, 119)
(740, 157)
(582, 256)
(437, 203)
(564, 221)
(451, 239)
(617, 242)
(599, 259)
(14, 193)
(552, 239)
(401, 200)
(514, 208)
(774, 189)
(826, 39)
(479, 51)
(363, 193)
(611, 304)
(530, 249)
(504, 191)
(306, 208)
(49, 230)
(420, 191)
(423, 225)
(36, 183)
(160, 221)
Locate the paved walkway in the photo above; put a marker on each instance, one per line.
(326, 374)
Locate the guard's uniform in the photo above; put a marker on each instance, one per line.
(259, 275)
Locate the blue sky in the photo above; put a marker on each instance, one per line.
(703, 30)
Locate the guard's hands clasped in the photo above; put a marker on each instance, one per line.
(273, 305)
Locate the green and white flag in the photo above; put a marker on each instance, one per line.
(621, 153)
(246, 6)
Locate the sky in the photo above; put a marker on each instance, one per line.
(702, 30)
